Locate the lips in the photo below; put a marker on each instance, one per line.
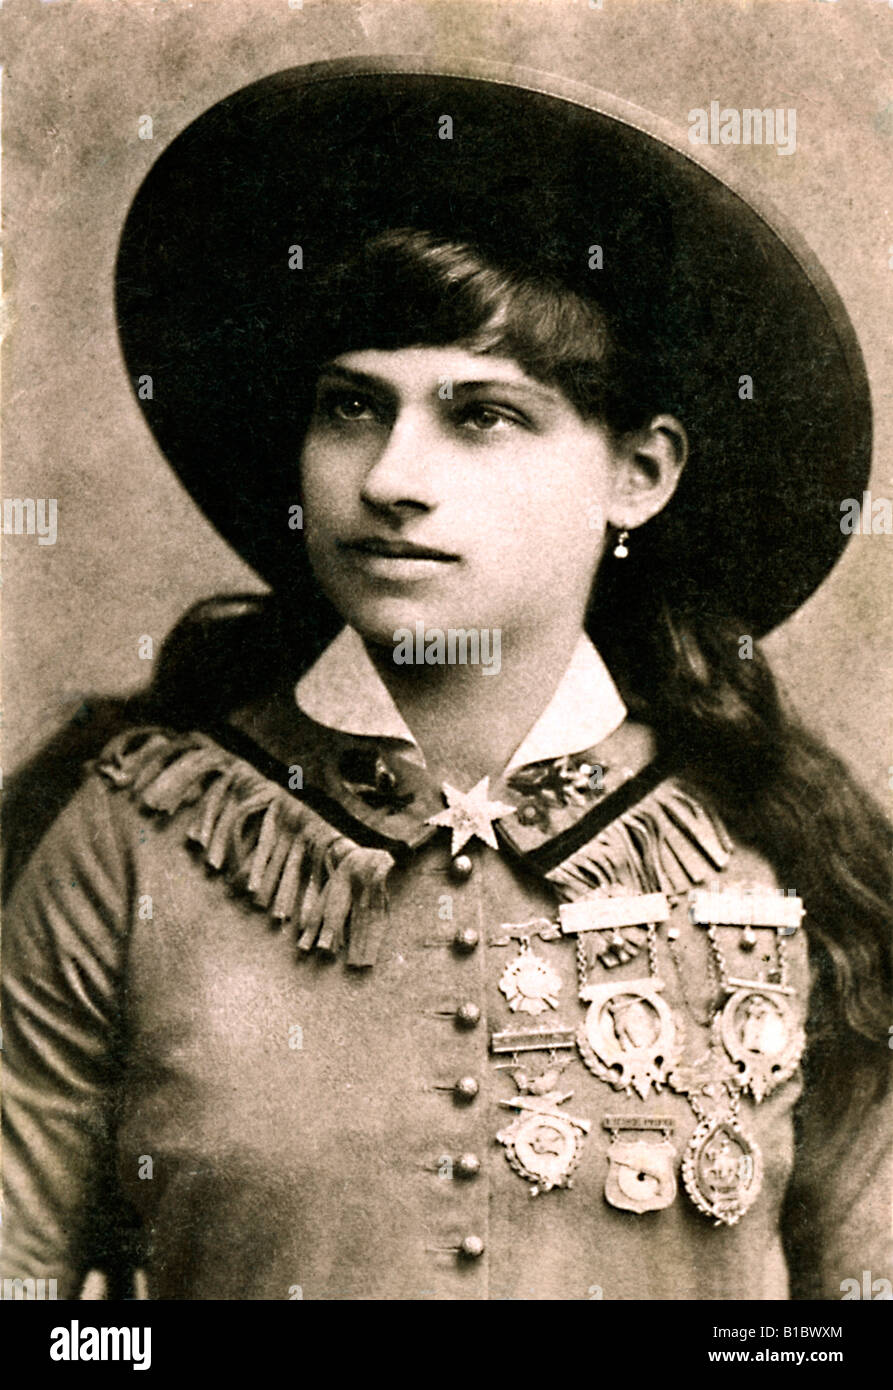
(395, 549)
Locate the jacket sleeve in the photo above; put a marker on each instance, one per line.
(838, 1219)
(64, 948)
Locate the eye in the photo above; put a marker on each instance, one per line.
(486, 419)
(345, 406)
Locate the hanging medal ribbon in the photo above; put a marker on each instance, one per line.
(613, 924)
(757, 1025)
(543, 1143)
(746, 907)
(630, 1037)
(722, 1168)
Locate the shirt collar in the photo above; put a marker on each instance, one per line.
(342, 690)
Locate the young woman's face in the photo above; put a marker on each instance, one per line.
(450, 488)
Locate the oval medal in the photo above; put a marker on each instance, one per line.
(722, 1170)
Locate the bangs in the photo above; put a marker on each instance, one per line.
(408, 288)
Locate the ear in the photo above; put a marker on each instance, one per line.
(649, 466)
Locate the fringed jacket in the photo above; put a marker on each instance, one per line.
(284, 1018)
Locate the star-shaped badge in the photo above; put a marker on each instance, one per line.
(469, 814)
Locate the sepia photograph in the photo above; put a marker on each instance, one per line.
(448, 661)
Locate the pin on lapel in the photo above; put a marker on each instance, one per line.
(471, 815)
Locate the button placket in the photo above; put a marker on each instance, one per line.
(460, 1234)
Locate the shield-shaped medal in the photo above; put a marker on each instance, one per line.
(641, 1176)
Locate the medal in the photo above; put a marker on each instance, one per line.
(529, 983)
(756, 1025)
(543, 1144)
(761, 1036)
(641, 1173)
(722, 1170)
(629, 1037)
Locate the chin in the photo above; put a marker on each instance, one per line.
(376, 619)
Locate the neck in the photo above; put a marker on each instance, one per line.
(467, 723)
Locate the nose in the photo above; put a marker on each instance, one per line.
(402, 477)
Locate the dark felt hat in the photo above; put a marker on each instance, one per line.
(213, 307)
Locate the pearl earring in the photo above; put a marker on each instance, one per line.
(620, 550)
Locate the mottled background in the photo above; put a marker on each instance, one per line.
(132, 551)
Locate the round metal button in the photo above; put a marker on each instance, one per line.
(467, 1087)
(468, 1015)
(471, 1248)
(467, 1166)
(462, 867)
(528, 813)
(465, 940)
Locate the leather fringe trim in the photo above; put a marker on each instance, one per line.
(271, 847)
(664, 844)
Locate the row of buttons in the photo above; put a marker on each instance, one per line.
(468, 1015)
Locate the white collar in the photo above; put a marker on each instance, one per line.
(342, 690)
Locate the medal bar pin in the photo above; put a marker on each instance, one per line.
(756, 986)
(532, 1040)
(665, 1124)
(523, 931)
(742, 907)
(607, 914)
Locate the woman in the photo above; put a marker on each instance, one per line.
(499, 895)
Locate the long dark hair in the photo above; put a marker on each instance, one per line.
(677, 662)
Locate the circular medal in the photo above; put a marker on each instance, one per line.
(761, 1035)
(529, 984)
(544, 1148)
(630, 1037)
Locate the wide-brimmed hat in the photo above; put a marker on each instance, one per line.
(215, 302)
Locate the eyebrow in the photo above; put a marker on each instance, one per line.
(546, 394)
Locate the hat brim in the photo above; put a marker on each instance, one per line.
(212, 307)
